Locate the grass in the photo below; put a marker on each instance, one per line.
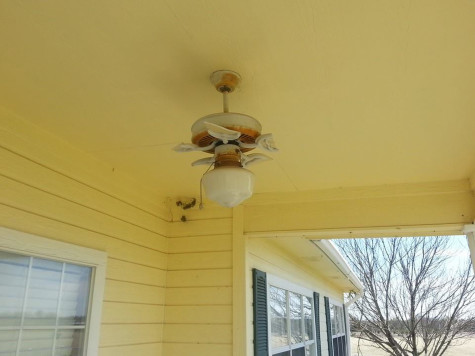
(467, 348)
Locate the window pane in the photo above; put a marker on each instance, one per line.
(43, 292)
(298, 352)
(308, 318)
(75, 295)
(69, 342)
(295, 314)
(36, 343)
(341, 327)
(285, 353)
(332, 319)
(337, 320)
(278, 316)
(13, 276)
(8, 342)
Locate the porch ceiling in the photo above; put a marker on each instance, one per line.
(357, 93)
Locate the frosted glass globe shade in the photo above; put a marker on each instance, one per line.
(228, 186)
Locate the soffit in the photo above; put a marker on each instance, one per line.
(309, 255)
(356, 93)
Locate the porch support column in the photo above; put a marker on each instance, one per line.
(469, 230)
(239, 284)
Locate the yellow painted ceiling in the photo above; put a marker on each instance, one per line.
(356, 93)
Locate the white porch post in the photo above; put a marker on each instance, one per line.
(469, 230)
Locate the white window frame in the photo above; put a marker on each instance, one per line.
(291, 287)
(31, 245)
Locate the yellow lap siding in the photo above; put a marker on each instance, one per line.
(199, 260)
(202, 314)
(34, 174)
(178, 349)
(150, 349)
(46, 192)
(125, 313)
(198, 304)
(199, 296)
(34, 200)
(129, 334)
(198, 333)
(120, 291)
(130, 272)
(199, 278)
(200, 243)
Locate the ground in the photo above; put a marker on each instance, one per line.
(466, 349)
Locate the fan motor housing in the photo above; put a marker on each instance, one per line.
(248, 126)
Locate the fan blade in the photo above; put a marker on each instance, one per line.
(247, 160)
(222, 133)
(189, 147)
(247, 145)
(266, 142)
(204, 161)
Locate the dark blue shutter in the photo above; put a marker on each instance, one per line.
(329, 326)
(261, 344)
(316, 302)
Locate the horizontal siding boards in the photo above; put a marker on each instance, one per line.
(130, 272)
(199, 278)
(42, 203)
(25, 221)
(199, 296)
(211, 211)
(198, 310)
(39, 200)
(195, 349)
(220, 226)
(200, 243)
(200, 260)
(120, 291)
(203, 314)
(56, 204)
(29, 141)
(34, 174)
(40, 225)
(198, 333)
(132, 253)
(150, 349)
(129, 334)
(125, 313)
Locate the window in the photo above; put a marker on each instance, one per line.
(284, 318)
(338, 330)
(50, 296)
(291, 323)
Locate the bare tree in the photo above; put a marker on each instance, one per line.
(413, 303)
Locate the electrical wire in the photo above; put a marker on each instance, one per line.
(201, 186)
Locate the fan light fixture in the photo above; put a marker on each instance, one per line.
(227, 136)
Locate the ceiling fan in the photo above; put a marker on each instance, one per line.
(227, 136)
